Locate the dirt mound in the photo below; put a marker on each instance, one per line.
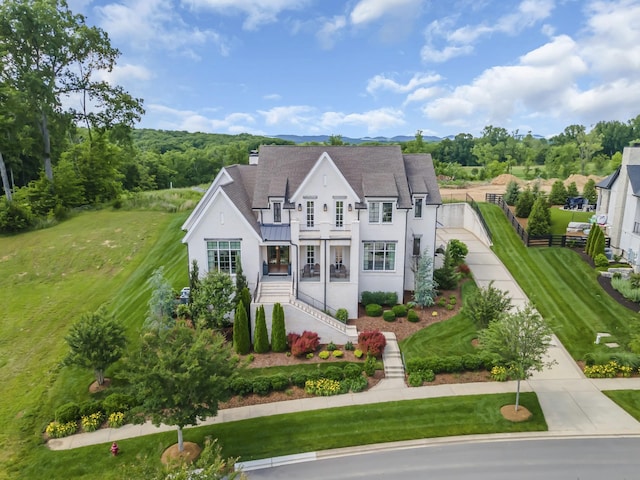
(580, 180)
(505, 178)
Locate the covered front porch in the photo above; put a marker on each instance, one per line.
(315, 265)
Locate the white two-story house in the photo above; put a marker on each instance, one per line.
(315, 226)
(618, 207)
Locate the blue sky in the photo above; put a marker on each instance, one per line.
(375, 67)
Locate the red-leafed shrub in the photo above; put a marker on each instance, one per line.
(291, 339)
(372, 342)
(308, 342)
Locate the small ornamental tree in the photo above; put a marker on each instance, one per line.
(179, 375)
(194, 280)
(278, 329)
(241, 280)
(540, 218)
(589, 191)
(425, 289)
(558, 194)
(521, 339)
(161, 303)
(524, 204)
(598, 243)
(512, 192)
(245, 297)
(261, 337)
(458, 251)
(241, 340)
(486, 304)
(96, 341)
(446, 277)
(572, 190)
(589, 242)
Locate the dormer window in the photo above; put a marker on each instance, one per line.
(380, 212)
(417, 208)
(277, 212)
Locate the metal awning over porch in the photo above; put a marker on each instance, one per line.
(276, 233)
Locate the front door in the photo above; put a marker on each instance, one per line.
(278, 259)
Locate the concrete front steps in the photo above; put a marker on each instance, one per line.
(392, 358)
(300, 316)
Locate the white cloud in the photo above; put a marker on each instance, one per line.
(125, 73)
(293, 115)
(422, 94)
(381, 82)
(272, 96)
(192, 121)
(460, 41)
(367, 11)
(374, 120)
(147, 24)
(330, 31)
(540, 82)
(258, 12)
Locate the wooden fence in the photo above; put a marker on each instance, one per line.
(538, 241)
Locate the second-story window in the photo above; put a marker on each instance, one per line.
(310, 214)
(380, 212)
(417, 212)
(277, 212)
(339, 213)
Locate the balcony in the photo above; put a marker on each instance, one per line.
(311, 273)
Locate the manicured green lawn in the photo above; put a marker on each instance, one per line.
(302, 432)
(451, 337)
(561, 218)
(49, 277)
(629, 400)
(563, 288)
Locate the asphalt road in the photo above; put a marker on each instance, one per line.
(548, 459)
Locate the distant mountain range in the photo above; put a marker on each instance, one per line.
(354, 141)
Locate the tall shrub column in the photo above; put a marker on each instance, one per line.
(241, 341)
(261, 339)
(278, 331)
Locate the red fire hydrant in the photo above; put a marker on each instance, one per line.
(114, 449)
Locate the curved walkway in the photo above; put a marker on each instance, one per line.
(573, 405)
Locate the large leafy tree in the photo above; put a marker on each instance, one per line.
(214, 300)
(179, 375)
(521, 339)
(96, 341)
(54, 57)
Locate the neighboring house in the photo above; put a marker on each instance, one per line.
(315, 226)
(618, 207)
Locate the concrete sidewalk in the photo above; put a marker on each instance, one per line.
(572, 404)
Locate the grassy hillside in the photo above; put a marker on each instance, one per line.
(49, 277)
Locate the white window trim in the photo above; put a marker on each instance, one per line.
(380, 214)
(385, 250)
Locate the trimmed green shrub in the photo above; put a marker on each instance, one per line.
(324, 355)
(389, 316)
(333, 373)
(601, 260)
(69, 412)
(241, 385)
(118, 402)
(349, 347)
(380, 298)
(428, 376)
(331, 347)
(357, 384)
(299, 378)
(261, 338)
(342, 315)
(415, 379)
(413, 316)
(352, 370)
(373, 310)
(89, 407)
(261, 385)
(370, 365)
(400, 310)
(278, 332)
(279, 382)
(337, 353)
(358, 353)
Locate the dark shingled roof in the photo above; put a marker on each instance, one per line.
(239, 191)
(634, 178)
(608, 182)
(380, 171)
(421, 176)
